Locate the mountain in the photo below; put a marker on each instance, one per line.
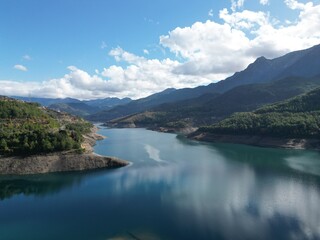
(210, 108)
(303, 63)
(75, 106)
(297, 117)
(47, 101)
(107, 103)
(167, 96)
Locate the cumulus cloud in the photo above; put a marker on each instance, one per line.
(76, 83)
(236, 4)
(149, 75)
(245, 19)
(20, 67)
(264, 2)
(206, 52)
(208, 47)
(211, 47)
(293, 4)
(140, 78)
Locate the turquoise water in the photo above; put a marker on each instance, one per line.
(174, 189)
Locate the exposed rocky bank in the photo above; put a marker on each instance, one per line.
(61, 161)
(152, 127)
(261, 141)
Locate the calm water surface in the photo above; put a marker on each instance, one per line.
(174, 189)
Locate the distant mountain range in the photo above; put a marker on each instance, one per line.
(211, 108)
(46, 101)
(300, 66)
(75, 106)
(167, 96)
(262, 82)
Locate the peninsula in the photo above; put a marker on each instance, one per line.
(34, 139)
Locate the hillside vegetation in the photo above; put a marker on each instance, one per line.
(211, 108)
(28, 128)
(298, 117)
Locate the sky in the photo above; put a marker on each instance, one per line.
(90, 49)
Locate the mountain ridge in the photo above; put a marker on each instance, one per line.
(211, 108)
(262, 70)
(77, 107)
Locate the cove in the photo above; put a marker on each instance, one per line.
(175, 188)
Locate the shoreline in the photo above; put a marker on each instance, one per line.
(259, 141)
(61, 161)
(184, 131)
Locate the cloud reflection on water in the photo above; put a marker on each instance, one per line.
(153, 153)
(234, 198)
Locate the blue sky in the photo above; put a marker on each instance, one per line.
(101, 48)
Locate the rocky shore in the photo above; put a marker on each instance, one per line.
(61, 161)
(260, 141)
(152, 127)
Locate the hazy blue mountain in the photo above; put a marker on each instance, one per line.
(167, 96)
(47, 101)
(75, 106)
(106, 103)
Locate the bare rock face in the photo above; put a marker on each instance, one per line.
(258, 141)
(90, 140)
(58, 162)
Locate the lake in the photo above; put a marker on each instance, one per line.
(175, 188)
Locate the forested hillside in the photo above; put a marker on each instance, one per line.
(298, 117)
(211, 108)
(28, 128)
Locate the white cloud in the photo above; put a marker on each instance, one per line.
(208, 47)
(27, 57)
(140, 78)
(293, 4)
(245, 19)
(145, 76)
(120, 55)
(145, 51)
(236, 4)
(210, 13)
(206, 52)
(211, 47)
(264, 2)
(20, 67)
